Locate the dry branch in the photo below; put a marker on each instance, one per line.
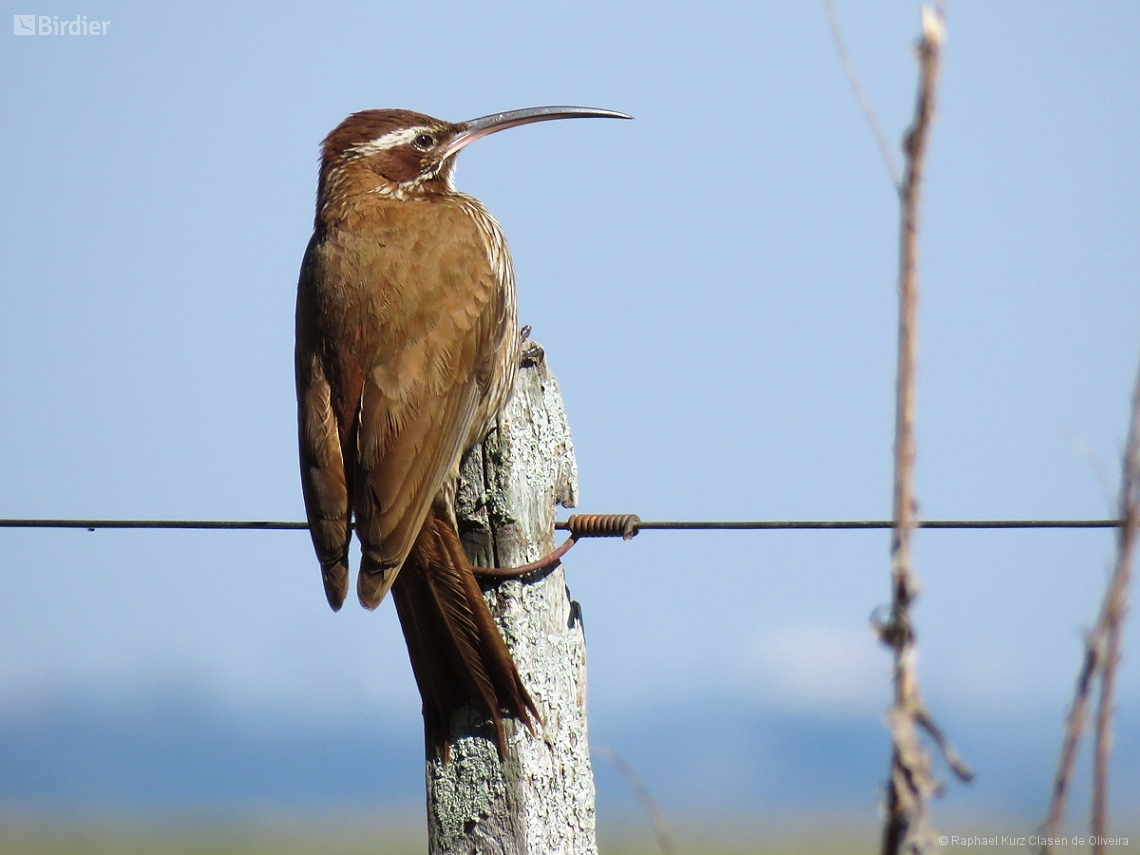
(912, 782)
(857, 88)
(1102, 655)
(644, 798)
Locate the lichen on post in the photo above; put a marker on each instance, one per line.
(541, 800)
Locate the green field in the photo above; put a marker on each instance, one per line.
(354, 835)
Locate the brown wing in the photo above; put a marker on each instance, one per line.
(441, 322)
(323, 476)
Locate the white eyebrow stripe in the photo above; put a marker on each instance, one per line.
(392, 139)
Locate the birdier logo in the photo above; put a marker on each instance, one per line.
(51, 25)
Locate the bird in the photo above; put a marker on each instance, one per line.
(407, 348)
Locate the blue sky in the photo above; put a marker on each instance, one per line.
(714, 286)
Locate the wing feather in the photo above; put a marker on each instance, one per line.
(421, 400)
(323, 478)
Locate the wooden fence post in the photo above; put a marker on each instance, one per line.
(541, 800)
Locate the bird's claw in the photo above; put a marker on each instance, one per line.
(532, 354)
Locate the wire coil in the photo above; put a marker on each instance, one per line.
(625, 526)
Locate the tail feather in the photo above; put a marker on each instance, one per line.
(458, 656)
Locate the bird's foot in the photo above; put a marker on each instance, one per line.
(532, 352)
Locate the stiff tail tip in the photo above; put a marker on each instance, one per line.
(458, 655)
(334, 574)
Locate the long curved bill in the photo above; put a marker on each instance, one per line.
(486, 125)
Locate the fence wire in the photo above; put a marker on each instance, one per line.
(561, 525)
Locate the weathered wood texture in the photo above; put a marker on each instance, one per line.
(542, 799)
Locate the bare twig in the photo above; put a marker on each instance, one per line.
(1074, 729)
(1115, 607)
(1102, 655)
(648, 803)
(1088, 454)
(861, 96)
(912, 781)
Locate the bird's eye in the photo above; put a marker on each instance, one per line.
(423, 142)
